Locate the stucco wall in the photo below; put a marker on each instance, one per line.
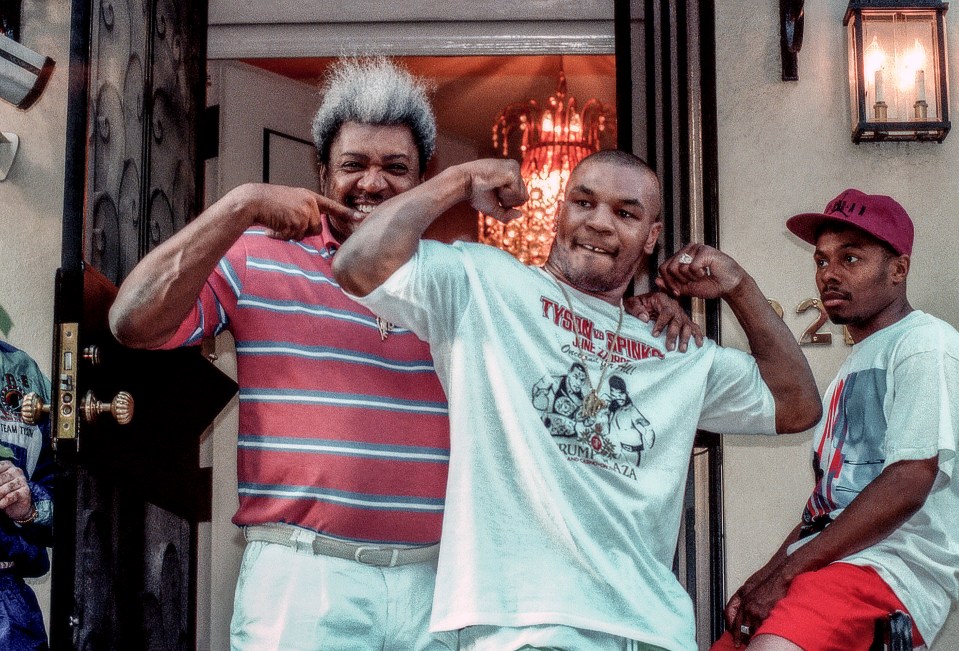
(785, 148)
(31, 201)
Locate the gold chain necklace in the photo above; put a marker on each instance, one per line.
(592, 403)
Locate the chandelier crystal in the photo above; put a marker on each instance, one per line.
(550, 142)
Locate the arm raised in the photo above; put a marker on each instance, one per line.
(390, 236)
(704, 272)
(162, 289)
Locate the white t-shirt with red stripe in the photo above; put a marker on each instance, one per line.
(896, 398)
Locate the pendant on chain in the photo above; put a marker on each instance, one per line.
(384, 326)
(592, 404)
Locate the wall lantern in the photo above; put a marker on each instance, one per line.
(897, 70)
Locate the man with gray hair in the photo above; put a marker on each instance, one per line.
(343, 435)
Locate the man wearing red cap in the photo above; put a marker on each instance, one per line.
(880, 532)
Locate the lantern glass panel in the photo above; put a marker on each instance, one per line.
(900, 51)
(854, 91)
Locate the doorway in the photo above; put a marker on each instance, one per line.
(484, 65)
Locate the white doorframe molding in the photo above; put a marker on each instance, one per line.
(439, 38)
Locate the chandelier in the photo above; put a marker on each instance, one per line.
(550, 142)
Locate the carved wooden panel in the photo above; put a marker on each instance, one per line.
(145, 67)
(134, 573)
(117, 111)
(134, 587)
(176, 78)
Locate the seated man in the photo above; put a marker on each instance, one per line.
(556, 538)
(880, 531)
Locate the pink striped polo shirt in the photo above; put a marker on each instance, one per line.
(340, 431)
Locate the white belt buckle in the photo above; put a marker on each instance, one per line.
(358, 555)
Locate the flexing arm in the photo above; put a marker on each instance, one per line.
(162, 289)
(784, 369)
(882, 507)
(390, 236)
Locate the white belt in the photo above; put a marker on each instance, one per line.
(304, 539)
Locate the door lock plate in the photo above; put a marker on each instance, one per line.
(65, 415)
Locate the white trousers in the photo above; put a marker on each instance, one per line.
(545, 637)
(290, 600)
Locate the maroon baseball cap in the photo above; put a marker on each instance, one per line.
(879, 215)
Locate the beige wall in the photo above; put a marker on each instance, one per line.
(784, 148)
(31, 200)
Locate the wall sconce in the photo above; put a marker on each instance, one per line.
(791, 20)
(897, 70)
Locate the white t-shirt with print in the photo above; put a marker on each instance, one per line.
(896, 398)
(553, 517)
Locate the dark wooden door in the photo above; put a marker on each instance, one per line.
(129, 496)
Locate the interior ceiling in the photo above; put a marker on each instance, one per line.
(471, 91)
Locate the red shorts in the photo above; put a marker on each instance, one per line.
(832, 609)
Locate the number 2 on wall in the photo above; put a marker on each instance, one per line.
(812, 336)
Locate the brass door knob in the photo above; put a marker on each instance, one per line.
(121, 407)
(33, 410)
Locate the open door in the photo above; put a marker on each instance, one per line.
(129, 495)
